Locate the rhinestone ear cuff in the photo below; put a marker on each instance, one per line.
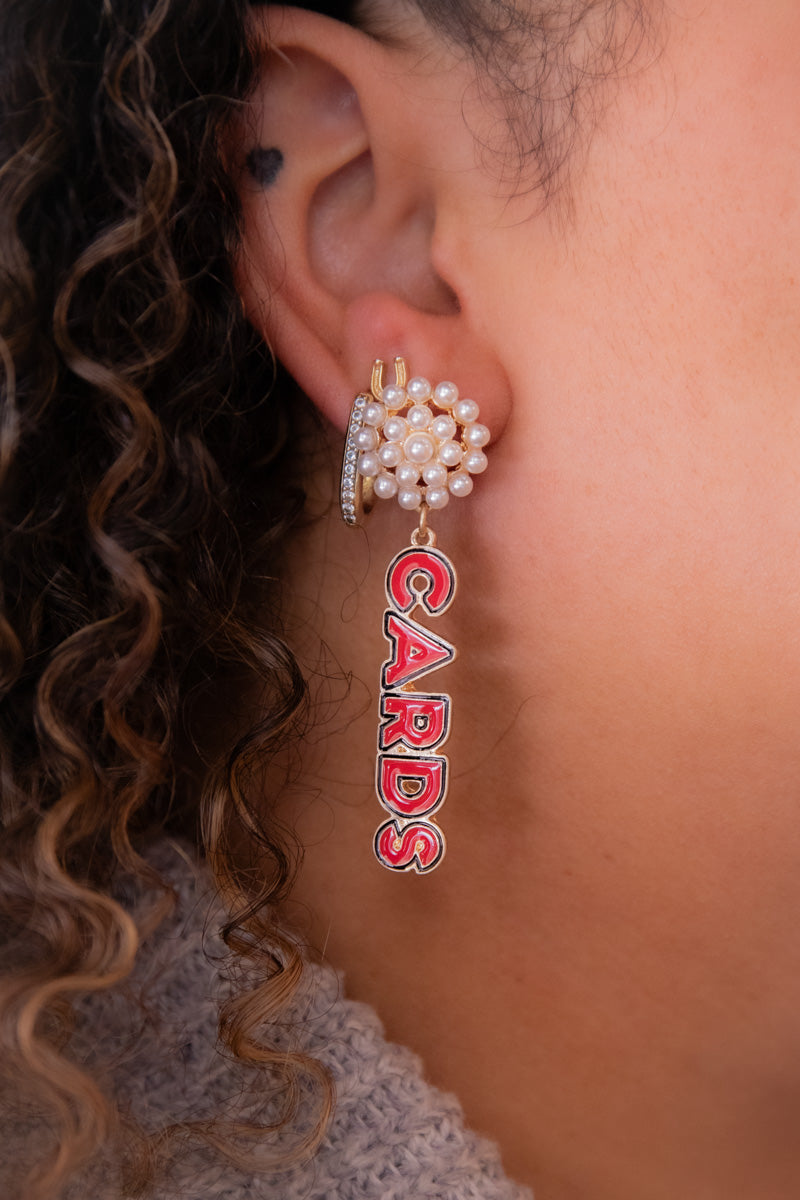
(422, 445)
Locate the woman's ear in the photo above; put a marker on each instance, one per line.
(342, 172)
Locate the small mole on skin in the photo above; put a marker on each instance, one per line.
(264, 165)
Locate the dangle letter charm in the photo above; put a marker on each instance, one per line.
(422, 445)
(411, 780)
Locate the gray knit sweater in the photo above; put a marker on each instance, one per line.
(392, 1137)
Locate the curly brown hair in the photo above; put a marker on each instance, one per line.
(139, 524)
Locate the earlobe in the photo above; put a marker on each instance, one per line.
(339, 212)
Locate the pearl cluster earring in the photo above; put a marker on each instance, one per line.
(422, 444)
(419, 443)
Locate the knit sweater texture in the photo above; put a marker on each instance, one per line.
(392, 1136)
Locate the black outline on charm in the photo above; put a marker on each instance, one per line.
(424, 635)
(420, 596)
(439, 762)
(402, 830)
(389, 719)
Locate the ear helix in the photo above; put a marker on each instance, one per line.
(421, 444)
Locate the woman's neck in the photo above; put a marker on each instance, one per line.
(587, 971)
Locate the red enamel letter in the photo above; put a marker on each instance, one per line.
(417, 847)
(438, 576)
(415, 651)
(411, 787)
(420, 722)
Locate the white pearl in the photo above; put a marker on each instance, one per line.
(395, 429)
(418, 388)
(367, 438)
(436, 497)
(419, 417)
(409, 498)
(369, 464)
(435, 474)
(375, 413)
(475, 462)
(419, 448)
(466, 411)
(390, 454)
(445, 394)
(460, 483)
(385, 486)
(476, 435)
(444, 428)
(450, 453)
(407, 474)
(394, 396)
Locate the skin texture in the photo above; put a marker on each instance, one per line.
(606, 969)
